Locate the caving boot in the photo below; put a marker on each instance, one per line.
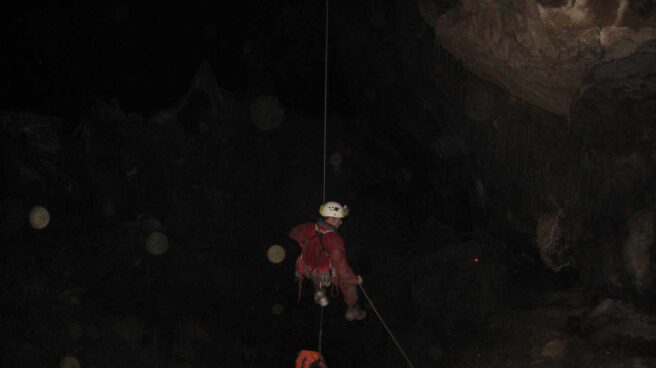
(354, 313)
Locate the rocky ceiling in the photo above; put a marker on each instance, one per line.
(540, 50)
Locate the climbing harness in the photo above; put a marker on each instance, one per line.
(385, 325)
(322, 279)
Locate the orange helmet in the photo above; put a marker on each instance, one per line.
(309, 359)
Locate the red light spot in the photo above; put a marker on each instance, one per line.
(476, 260)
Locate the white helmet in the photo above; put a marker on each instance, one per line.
(333, 209)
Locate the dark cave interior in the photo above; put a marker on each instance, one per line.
(173, 145)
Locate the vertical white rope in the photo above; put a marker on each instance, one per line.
(325, 133)
(325, 107)
(320, 330)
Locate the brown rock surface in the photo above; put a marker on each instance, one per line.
(539, 51)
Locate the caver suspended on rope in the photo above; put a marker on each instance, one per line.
(323, 259)
(325, 255)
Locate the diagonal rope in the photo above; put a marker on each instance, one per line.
(325, 106)
(387, 328)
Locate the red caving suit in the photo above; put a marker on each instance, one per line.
(315, 262)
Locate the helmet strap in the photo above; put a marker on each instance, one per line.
(324, 223)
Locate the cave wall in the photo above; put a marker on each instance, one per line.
(567, 170)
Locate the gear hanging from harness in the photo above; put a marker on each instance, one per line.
(315, 263)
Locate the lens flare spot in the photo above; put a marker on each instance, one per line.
(157, 243)
(266, 113)
(336, 160)
(276, 253)
(39, 217)
(69, 362)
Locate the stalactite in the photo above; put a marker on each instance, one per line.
(475, 18)
(508, 159)
(584, 189)
(482, 138)
(511, 146)
(448, 65)
(511, 150)
(504, 136)
(527, 147)
(506, 139)
(577, 187)
(606, 181)
(516, 143)
(494, 141)
(548, 178)
(568, 180)
(500, 142)
(591, 188)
